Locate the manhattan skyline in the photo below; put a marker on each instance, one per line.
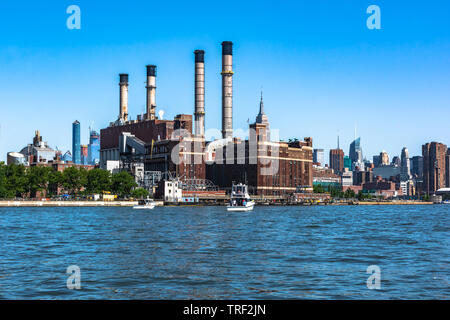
(320, 68)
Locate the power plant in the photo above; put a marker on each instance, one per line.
(154, 149)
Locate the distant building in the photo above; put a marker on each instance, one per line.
(384, 158)
(447, 169)
(386, 172)
(347, 178)
(417, 166)
(337, 160)
(319, 156)
(376, 161)
(355, 153)
(38, 151)
(405, 169)
(94, 148)
(396, 161)
(67, 157)
(347, 163)
(434, 166)
(76, 145)
(84, 154)
(325, 177)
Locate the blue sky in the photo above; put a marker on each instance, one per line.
(322, 70)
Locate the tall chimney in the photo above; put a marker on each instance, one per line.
(199, 93)
(123, 105)
(151, 92)
(227, 89)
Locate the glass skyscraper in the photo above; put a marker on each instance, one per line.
(94, 148)
(76, 146)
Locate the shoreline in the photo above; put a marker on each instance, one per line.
(38, 203)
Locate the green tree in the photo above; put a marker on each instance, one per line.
(98, 180)
(74, 180)
(16, 181)
(55, 181)
(37, 179)
(349, 193)
(139, 193)
(122, 184)
(3, 190)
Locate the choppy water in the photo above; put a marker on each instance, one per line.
(206, 253)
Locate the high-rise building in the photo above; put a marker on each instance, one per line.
(76, 146)
(376, 161)
(447, 169)
(417, 166)
(347, 163)
(384, 158)
(84, 154)
(406, 172)
(434, 165)
(94, 148)
(319, 156)
(355, 152)
(396, 161)
(337, 160)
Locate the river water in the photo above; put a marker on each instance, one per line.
(319, 252)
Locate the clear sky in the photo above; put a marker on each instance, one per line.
(322, 70)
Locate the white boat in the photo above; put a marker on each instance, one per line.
(446, 202)
(240, 199)
(147, 204)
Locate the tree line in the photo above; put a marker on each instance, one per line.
(18, 181)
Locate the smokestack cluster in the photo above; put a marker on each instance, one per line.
(199, 93)
(151, 92)
(227, 89)
(227, 92)
(123, 99)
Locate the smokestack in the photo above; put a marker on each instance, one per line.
(199, 93)
(123, 105)
(227, 89)
(151, 92)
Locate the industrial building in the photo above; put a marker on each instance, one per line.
(154, 149)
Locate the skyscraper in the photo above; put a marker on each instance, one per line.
(405, 169)
(417, 166)
(337, 160)
(434, 163)
(93, 147)
(384, 158)
(319, 156)
(355, 154)
(76, 146)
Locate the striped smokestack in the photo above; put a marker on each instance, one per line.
(123, 99)
(227, 89)
(199, 93)
(151, 92)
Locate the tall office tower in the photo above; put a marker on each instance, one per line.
(434, 158)
(417, 166)
(319, 156)
(384, 158)
(355, 151)
(376, 161)
(84, 154)
(405, 169)
(76, 146)
(93, 147)
(337, 160)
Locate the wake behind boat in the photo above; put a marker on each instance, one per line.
(240, 199)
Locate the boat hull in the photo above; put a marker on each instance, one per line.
(247, 207)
